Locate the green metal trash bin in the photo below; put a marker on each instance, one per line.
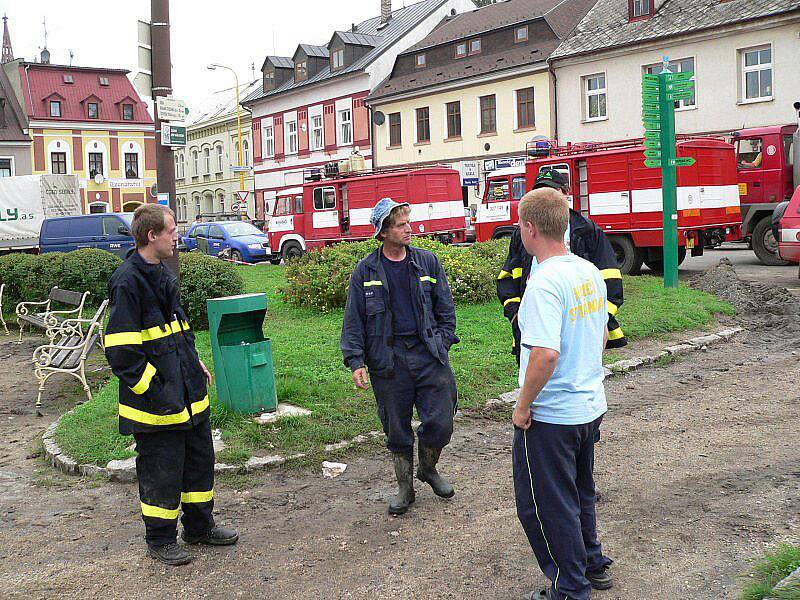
(242, 355)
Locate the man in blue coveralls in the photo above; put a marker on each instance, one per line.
(562, 401)
(399, 323)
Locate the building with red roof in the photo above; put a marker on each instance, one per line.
(89, 122)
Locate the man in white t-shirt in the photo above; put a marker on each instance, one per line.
(557, 418)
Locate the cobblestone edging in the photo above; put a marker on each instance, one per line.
(125, 470)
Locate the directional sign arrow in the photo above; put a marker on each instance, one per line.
(652, 125)
(649, 143)
(649, 77)
(686, 76)
(680, 96)
(649, 87)
(649, 115)
(684, 161)
(653, 136)
(650, 107)
(652, 153)
(652, 163)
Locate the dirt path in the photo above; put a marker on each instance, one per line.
(699, 470)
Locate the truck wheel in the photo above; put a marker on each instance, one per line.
(629, 257)
(657, 264)
(291, 251)
(764, 244)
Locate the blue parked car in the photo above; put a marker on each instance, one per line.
(243, 241)
(106, 231)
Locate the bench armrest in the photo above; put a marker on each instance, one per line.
(43, 355)
(22, 307)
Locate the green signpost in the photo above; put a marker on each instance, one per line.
(659, 94)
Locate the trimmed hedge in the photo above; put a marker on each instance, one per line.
(204, 277)
(29, 277)
(319, 279)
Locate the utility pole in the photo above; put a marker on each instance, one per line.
(162, 86)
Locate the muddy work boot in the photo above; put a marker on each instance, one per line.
(427, 473)
(404, 471)
(172, 554)
(600, 578)
(218, 536)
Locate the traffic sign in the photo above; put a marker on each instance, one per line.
(652, 153)
(652, 163)
(685, 76)
(650, 78)
(652, 125)
(173, 135)
(241, 169)
(242, 195)
(653, 136)
(686, 95)
(684, 161)
(236, 207)
(651, 115)
(170, 109)
(650, 106)
(655, 144)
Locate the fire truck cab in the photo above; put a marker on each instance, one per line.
(764, 164)
(610, 185)
(328, 210)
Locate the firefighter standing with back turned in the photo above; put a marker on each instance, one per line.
(163, 396)
(584, 239)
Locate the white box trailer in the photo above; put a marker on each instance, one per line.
(26, 201)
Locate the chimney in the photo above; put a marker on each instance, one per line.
(8, 53)
(386, 11)
(45, 59)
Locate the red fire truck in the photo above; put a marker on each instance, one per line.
(327, 210)
(611, 186)
(765, 158)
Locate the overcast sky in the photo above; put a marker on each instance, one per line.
(237, 33)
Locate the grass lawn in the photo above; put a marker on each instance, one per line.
(770, 571)
(309, 370)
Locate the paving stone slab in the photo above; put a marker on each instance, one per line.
(680, 349)
(123, 471)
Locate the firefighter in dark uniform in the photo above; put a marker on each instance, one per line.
(163, 396)
(399, 324)
(586, 240)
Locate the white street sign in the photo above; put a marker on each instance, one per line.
(241, 169)
(170, 109)
(242, 195)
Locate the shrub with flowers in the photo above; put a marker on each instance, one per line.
(319, 279)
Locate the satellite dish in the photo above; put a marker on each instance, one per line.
(378, 118)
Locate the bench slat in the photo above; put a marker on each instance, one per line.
(66, 296)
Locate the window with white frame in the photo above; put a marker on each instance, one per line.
(195, 163)
(756, 73)
(317, 133)
(521, 34)
(207, 161)
(291, 137)
(345, 127)
(268, 141)
(220, 159)
(245, 153)
(594, 94)
(177, 166)
(683, 65)
(337, 59)
(640, 8)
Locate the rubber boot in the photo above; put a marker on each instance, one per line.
(404, 471)
(428, 457)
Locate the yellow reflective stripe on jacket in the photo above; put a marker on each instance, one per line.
(156, 333)
(199, 406)
(611, 308)
(428, 278)
(616, 334)
(124, 338)
(140, 416)
(197, 497)
(504, 275)
(510, 300)
(148, 510)
(371, 283)
(516, 273)
(144, 383)
(611, 274)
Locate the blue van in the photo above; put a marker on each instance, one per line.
(106, 231)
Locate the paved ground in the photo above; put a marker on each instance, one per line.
(747, 267)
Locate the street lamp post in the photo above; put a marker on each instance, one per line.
(214, 67)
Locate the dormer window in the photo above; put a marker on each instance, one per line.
(420, 60)
(127, 112)
(104, 81)
(68, 79)
(461, 49)
(337, 59)
(92, 110)
(475, 46)
(521, 34)
(301, 70)
(55, 108)
(640, 9)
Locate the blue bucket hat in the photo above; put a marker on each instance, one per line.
(381, 211)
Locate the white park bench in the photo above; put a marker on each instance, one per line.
(42, 314)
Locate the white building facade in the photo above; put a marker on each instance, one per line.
(744, 54)
(206, 182)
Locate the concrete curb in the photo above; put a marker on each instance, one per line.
(124, 471)
(791, 581)
(623, 367)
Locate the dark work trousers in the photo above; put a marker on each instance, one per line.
(554, 489)
(176, 468)
(418, 380)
